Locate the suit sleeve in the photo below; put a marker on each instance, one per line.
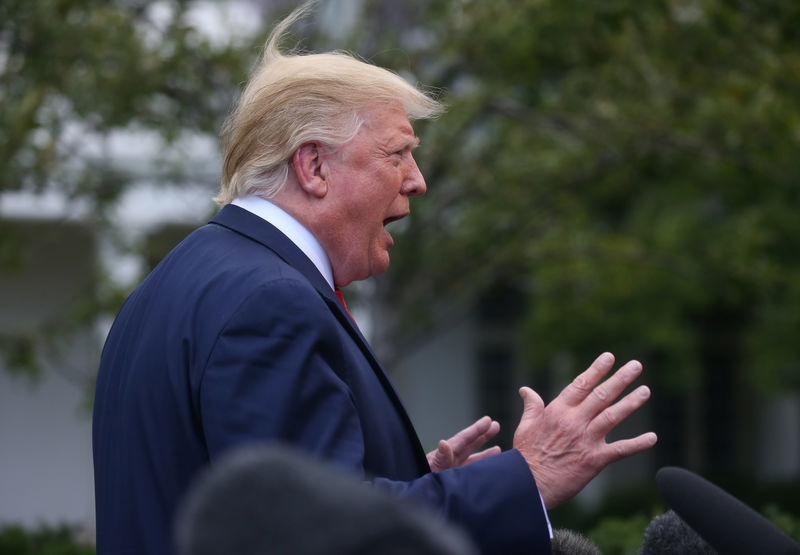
(494, 499)
(270, 377)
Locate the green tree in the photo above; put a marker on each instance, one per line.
(72, 74)
(631, 169)
(101, 66)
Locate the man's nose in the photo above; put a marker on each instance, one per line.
(414, 184)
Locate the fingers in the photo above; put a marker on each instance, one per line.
(590, 395)
(488, 435)
(607, 392)
(485, 454)
(581, 386)
(460, 448)
(564, 443)
(465, 442)
(471, 433)
(607, 419)
(442, 458)
(627, 447)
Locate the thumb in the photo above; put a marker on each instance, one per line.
(532, 411)
(532, 404)
(441, 458)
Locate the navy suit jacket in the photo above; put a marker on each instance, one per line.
(235, 337)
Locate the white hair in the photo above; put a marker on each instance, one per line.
(294, 99)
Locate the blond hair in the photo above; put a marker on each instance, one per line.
(294, 99)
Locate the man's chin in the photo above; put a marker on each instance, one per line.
(379, 266)
(348, 278)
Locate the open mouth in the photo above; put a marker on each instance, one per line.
(391, 219)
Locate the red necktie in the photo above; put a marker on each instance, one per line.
(344, 304)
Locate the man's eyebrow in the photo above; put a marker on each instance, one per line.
(410, 144)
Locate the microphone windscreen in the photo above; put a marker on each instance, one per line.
(568, 542)
(727, 524)
(668, 534)
(271, 500)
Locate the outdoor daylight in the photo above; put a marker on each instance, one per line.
(399, 276)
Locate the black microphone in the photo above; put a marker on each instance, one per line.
(668, 534)
(272, 500)
(727, 524)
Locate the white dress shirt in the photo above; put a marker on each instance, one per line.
(294, 230)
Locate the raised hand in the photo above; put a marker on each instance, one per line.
(460, 449)
(564, 443)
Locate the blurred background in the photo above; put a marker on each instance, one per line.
(610, 175)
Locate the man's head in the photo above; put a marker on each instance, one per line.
(327, 138)
(347, 195)
(294, 99)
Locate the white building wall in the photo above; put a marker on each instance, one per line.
(436, 382)
(46, 474)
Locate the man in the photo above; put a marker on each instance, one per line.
(238, 335)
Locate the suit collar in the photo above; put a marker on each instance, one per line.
(245, 223)
(258, 229)
(292, 228)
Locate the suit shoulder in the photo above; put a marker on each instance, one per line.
(213, 250)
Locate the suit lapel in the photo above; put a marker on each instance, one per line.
(256, 228)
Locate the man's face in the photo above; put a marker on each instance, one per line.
(370, 179)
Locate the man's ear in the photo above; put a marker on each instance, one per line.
(308, 167)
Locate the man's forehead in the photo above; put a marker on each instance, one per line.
(399, 140)
(387, 114)
(391, 126)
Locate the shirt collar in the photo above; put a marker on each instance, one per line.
(294, 230)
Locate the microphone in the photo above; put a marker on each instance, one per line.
(668, 534)
(270, 499)
(727, 524)
(569, 542)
